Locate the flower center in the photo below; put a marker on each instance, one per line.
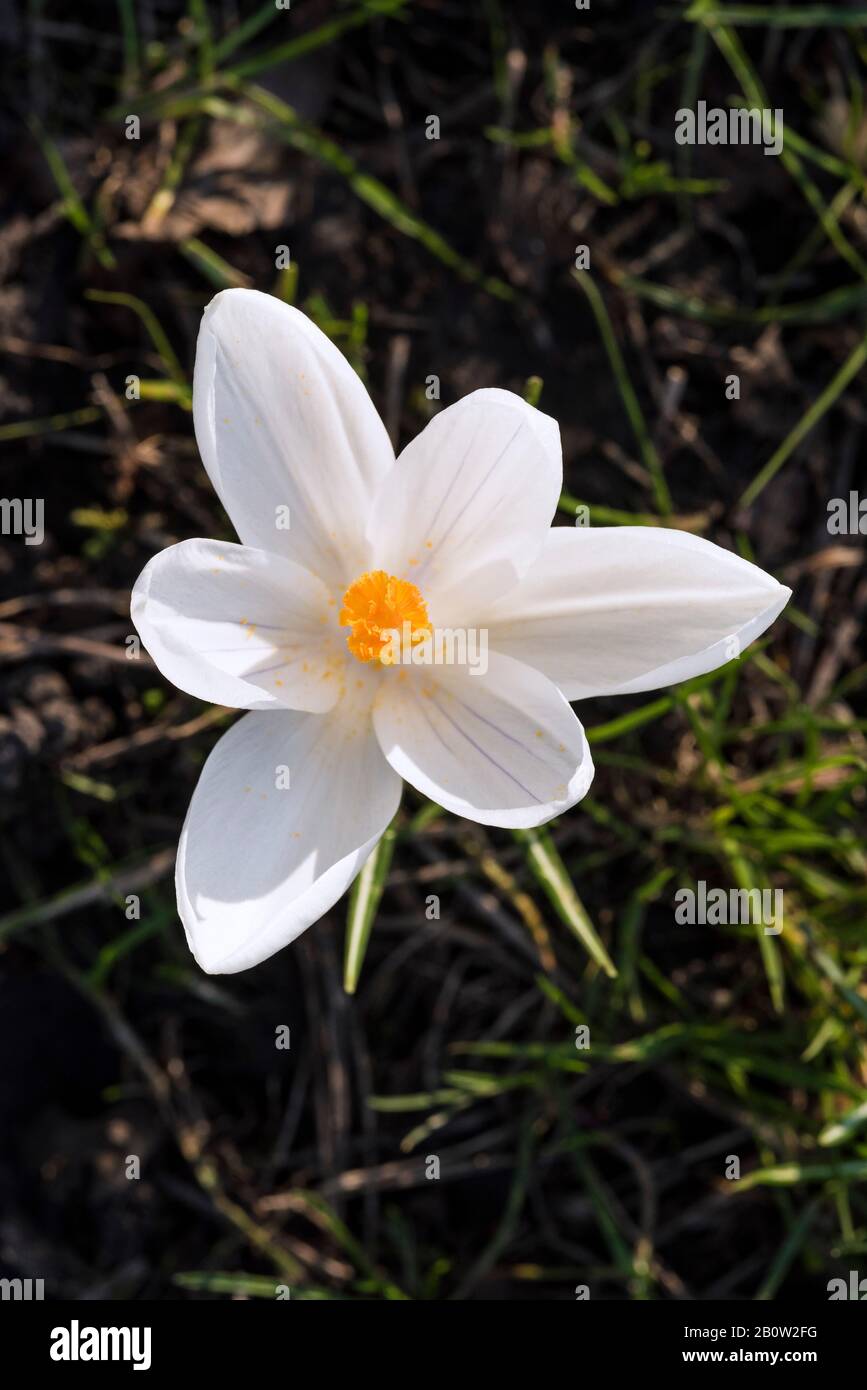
(383, 613)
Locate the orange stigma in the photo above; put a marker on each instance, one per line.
(383, 612)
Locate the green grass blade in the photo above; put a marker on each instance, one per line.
(154, 329)
(552, 876)
(808, 421)
(649, 454)
(216, 271)
(782, 17)
(316, 38)
(364, 901)
(787, 1253)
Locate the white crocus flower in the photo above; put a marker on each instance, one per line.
(291, 624)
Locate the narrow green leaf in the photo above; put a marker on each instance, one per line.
(787, 1253)
(791, 1174)
(315, 38)
(649, 454)
(214, 268)
(843, 1127)
(552, 876)
(808, 421)
(787, 17)
(154, 329)
(363, 903)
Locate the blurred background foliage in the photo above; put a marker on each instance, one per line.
(307, 128)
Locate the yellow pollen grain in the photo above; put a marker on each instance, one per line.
(376, 606)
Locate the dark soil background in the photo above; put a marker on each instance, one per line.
(313, 1167)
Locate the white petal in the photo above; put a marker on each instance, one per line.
(502, 748)
(611, 610)
(240, 627)
(470, 499)
(258, 864)
(282, 420)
